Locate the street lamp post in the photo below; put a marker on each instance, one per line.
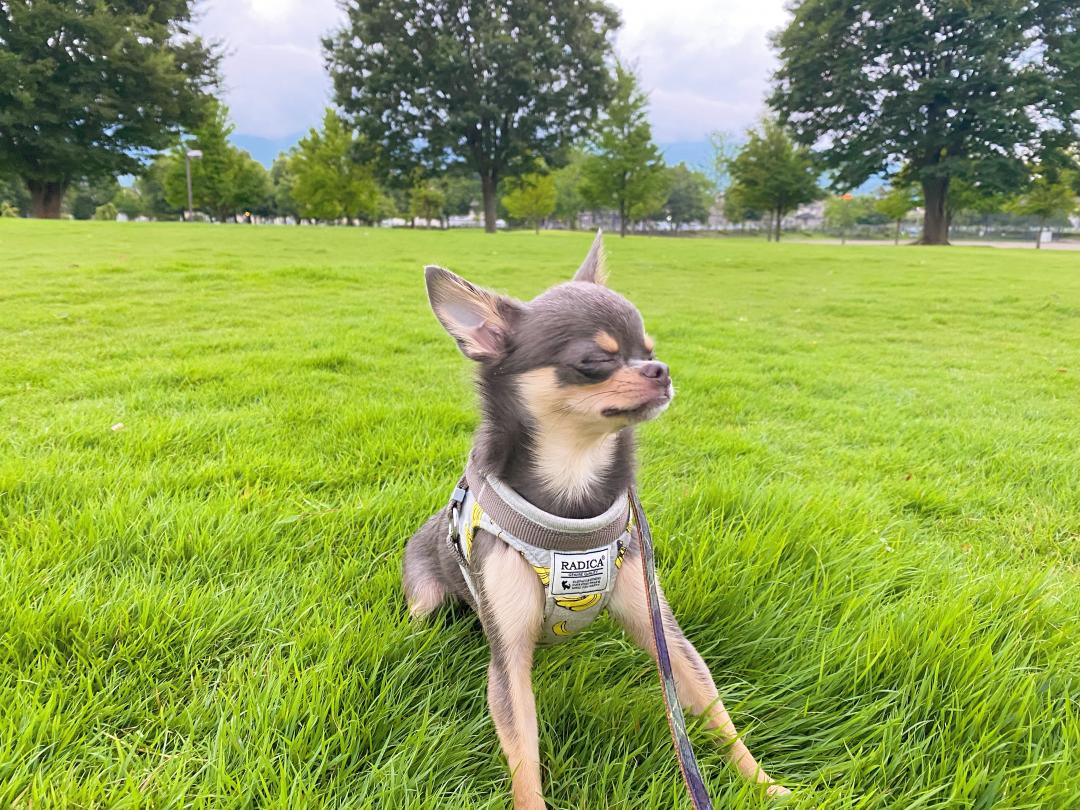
(188, 156)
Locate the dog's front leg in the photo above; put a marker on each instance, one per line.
(693, 681)
(512, 612)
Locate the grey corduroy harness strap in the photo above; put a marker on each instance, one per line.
(577, 561)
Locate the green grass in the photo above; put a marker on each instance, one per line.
(866, 498)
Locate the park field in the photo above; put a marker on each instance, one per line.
(216, 440)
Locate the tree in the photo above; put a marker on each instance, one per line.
(973, 197)
(128, 202)
(427, 202)
(494, 85)
(105, 213)
(735, 208)
(690, 196)
(84, 196)
(725, 148)
(13, 193)
(151, 187)
(252, 190)
(329, 183)
(569, 201)
(946, 89)
(896, 204)
(625, 171)
(90, 89)
(282, 181)
(773, 174)
(840, 214)
(462, 190)
(531, 199)
(224, 180)
(1048, 197)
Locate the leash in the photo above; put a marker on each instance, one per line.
(684, 751)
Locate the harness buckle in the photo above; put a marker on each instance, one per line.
(453, 536)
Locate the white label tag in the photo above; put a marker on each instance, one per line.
(579, 571)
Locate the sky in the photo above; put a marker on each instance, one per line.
(705, 63)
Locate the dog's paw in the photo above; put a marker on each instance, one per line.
(775, 791)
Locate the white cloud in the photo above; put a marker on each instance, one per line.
(705, 63)
(275, 84)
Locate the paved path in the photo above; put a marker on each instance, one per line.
(1065, 245)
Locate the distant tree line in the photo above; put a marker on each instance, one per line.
(519, 110)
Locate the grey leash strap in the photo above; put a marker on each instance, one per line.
(684, 752)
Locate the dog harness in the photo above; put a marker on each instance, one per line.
(576, 560)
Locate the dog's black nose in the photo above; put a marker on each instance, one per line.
(655, 370)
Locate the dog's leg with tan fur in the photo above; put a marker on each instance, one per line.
(693, 681)
(512, 612)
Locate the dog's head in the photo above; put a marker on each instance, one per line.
(577, 354)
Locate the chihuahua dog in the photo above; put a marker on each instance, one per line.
(563, 380)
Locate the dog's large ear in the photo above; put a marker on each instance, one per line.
(592, 269)
(479, 320)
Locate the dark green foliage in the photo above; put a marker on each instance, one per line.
(690, 196)
(625, 171)
(946, 89)
(13, 191)
(283, 179)
(84, 196)
(88, 89)
(493, 85)
(463, 193)
(150, 185)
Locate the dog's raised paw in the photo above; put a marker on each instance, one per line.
(775, 791)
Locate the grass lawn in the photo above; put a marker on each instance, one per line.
(216, 440)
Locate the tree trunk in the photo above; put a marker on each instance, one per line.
(489, 184)
(622, 219)
(1038, 234)
(779, 218)
(896, 239)
(46, 197)
(936, 219)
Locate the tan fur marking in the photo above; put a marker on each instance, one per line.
(514, 601)
(575, 443)
(650, 344)
(606, 342)
(693, 682)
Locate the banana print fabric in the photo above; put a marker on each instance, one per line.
(577, 585)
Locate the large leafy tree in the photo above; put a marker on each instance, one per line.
(495, 85)
(90, 89)
(625, 171)
(328, 183)
(944, 89)
(772, 174)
